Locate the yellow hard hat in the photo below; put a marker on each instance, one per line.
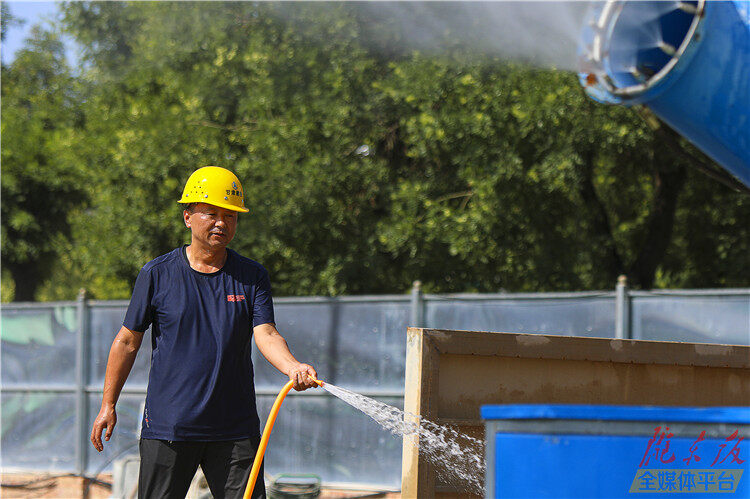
(214, 185)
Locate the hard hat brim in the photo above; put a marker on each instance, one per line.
(226, 206)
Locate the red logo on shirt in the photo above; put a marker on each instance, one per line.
(235, 297)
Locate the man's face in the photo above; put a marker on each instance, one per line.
(211, 225)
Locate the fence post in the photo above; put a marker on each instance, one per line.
(417, 305)
(622, 309)
(81, 401)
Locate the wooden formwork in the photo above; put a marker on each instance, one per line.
(450, 374)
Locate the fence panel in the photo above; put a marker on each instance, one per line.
(38, 430)
(692, 318)
(39, 346)
(564, 315)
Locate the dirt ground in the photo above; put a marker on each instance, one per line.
(73, 487)
(52, 485)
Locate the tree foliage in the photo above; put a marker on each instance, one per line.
(41, 179)
(367, 166)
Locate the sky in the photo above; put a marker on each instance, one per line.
(33, 13)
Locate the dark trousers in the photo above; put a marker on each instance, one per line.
(167, 468)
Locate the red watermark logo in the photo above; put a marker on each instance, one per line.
(709, 479)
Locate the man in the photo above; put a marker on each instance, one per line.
(201, 301)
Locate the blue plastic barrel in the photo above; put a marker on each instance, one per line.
(581, 451)
(688, 61)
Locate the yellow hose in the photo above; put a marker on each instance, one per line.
(267, 435)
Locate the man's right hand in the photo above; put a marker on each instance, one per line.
(107, 419)
(121, 358)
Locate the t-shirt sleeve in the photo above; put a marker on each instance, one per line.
(262, 301)
(140, 311)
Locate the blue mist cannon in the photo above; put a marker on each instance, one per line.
(688, 61)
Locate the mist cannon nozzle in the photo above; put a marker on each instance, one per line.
(688, 61)
(632, 46)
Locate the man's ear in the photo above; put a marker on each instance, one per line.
(186, 217)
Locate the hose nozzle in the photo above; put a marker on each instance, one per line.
(320, 383)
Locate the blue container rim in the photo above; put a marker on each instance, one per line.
(740, 415)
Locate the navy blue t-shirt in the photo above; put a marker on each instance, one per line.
(201, 382)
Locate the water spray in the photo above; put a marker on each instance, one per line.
(459, 456)
(688, 61)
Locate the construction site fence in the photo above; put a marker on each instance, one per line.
(54, 357)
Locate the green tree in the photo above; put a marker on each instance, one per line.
(41, 184)
(8, 20)
(526, 184)
(233, 93)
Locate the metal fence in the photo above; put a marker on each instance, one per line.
(54, 356)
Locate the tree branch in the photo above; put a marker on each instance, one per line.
(669, 180)
(600, 221)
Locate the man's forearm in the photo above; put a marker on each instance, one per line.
(121, 359)
(275, 349)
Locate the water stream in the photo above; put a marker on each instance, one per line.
(458, 458)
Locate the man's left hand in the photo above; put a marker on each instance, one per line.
(300, 375)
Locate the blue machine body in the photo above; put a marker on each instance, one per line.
(705, 93)
(580, 451)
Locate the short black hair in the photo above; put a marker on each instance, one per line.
(190, 207)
